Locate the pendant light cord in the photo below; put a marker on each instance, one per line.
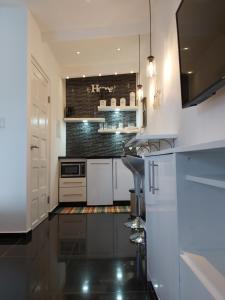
(139, 58)
(150, 27)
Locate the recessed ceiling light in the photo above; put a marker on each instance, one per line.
(78, 52)
(67, 77)
(116, 73)
(99, 74)
(131, 72)
(84, 76)
(118, 49)
(186, 49)
(190, 72)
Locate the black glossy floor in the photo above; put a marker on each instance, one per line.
(74, 257)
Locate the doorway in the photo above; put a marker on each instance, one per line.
(39, 146)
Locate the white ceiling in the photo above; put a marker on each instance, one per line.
(93, 27)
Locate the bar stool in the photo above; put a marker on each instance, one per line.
(137, 164)
(135, 223)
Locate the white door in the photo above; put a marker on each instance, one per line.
(122, 181)
(99, 182)
(39, 147)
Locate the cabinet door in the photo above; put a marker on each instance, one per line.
(99, 182)
(122, 181)
(162, 240)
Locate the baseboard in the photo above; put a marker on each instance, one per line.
(72, 204)
(83, 204)
(152, 290)
(53, 208)
(121, 203)
(20, 238)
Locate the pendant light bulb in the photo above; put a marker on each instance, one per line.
(140, 92)
(151, 66)
(151, 59)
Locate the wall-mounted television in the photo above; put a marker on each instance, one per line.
(201, 42)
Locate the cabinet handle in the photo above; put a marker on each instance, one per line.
(71, 182)
(149, 177)
(116, 183)
(153, 178)
(69, 195)
(100, 163)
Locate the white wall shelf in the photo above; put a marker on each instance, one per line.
(79, 120)
(215, 181)
(206, 269)
(119, 130)
(117, 108)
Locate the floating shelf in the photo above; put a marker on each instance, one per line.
(117, 108)
(216, 181)
(79, 120)
(119, 130)
(208, 268)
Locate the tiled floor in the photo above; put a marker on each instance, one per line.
(74, 257)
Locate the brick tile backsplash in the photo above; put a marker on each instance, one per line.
(83, 139)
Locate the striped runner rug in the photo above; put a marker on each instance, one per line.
(93, 210)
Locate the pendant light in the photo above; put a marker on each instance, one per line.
(139, 86)
(150, 58)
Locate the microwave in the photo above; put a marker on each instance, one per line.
(72, 168)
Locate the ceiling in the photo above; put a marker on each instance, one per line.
(96, 28)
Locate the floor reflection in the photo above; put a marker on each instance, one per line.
(74, 257)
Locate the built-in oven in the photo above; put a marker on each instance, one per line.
(72, 168)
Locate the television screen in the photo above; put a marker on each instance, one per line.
(201, 40)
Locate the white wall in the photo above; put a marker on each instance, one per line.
(20, 39)
(13, 109)
(41, 52)
(194, 125)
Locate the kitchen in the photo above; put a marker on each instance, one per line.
(82, 124)
(100, 116)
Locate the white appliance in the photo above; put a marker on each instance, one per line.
(99, 182)
(122, 181)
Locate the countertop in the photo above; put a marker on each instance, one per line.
(196, 147)
(87, 157)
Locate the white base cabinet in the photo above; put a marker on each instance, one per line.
(122, 181)
(161, 226)
(72, 190)
(99, 182)
(185, 223)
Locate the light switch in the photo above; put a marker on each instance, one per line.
(2, 122)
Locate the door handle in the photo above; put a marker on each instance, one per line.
(34, 147)
(153, 178)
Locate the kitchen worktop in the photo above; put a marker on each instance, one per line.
(87, 157)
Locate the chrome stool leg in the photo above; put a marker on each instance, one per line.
(138, 237)
(137, 222)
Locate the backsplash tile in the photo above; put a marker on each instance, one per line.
(83, 139)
